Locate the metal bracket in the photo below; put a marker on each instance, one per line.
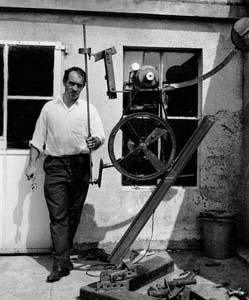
(115, 279)
(85, 51)
(110, 78)
(124, 284)
(136, 275)
(100, 55)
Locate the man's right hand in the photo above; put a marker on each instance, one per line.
(30, 172)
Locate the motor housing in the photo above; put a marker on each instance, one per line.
(145, 77)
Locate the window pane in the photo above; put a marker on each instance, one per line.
(131, 57)
(31, 70)
(184, 101)
(183, 130)
(151, 59)
(170, 59)
(1, 90)
(22, 116)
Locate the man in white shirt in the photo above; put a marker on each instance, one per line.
(62, 134)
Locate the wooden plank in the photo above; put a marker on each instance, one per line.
(158, 194)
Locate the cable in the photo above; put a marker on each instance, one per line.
(148, 247)
(99, 265)
(112, 266)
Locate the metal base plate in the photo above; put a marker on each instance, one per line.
(149, 270)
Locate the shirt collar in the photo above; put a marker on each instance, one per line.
(60, 100)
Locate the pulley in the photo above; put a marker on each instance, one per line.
(240, 34)
(148, 146)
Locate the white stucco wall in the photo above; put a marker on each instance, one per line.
(109, 210)
(199, 8)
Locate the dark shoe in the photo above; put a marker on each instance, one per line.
(56, 274)
(101, 254)
(95, 254)
(74, 251)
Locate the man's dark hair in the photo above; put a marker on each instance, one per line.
(81, 73)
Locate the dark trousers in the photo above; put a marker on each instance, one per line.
(65, 188)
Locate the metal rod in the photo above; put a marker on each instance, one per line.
(87, 98)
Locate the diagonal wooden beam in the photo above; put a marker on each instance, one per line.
(158, 194)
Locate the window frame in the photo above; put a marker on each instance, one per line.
(58, 47)
(197, 118)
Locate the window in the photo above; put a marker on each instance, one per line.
(182, 113)
(29, 76)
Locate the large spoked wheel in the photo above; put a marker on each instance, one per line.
(148, 146)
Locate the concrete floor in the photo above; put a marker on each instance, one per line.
(23, 277)
(234, 271)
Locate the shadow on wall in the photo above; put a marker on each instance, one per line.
(220, 175)
(89, 234)
(30, 215)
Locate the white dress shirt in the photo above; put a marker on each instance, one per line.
(61, 130)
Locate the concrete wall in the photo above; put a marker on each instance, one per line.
(109, 210)
(159, 8)
(245, 157)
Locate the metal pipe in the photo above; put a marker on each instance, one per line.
(87, 98)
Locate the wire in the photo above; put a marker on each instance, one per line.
(148, 247)
(111, 266)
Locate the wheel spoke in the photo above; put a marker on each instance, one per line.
(145, 127)
(129, 158)
(130, 131)
(156, 163)
(155, 135)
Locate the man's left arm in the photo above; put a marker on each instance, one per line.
(97, 131)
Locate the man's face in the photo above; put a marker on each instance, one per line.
(74, 85)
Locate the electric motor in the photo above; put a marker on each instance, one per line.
(145, 77)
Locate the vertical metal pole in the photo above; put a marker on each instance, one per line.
(87, 98)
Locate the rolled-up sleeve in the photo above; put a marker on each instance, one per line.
(40, 133)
